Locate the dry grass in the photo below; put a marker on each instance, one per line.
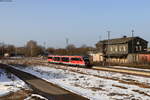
(19, 95)
(135, 65)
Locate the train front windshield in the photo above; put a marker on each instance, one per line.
(86, 60)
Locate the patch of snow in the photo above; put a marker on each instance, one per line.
(91, 86)
(10, 83)
(35, 95)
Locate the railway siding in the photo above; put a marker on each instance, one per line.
(111, 69)
(132, 72)
(118, 70)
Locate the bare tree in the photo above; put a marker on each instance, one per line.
(33, 49)
(51, 50)
(71, 46)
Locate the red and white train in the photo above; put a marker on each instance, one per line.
(70, 60)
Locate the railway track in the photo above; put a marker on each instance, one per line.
(131, 71)
(124, 70)
(108, 73)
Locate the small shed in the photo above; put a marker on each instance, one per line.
(97, 57)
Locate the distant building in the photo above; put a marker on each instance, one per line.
(96, 56)
(148, 49)
(6, 55)
(117, 50)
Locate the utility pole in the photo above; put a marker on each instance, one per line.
(44, 48)
(108, 32)
(100, 38)
(1, 45)
(132, 41)
(16, 51)
(31, 50)
(3, 49)
(67, 43)
(132, 46)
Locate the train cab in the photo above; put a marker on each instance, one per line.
(77, 60)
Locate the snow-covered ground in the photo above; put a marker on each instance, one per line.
(38, 97)
(10, 83)
(94, 84)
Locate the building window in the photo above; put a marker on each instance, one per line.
(137, 48)
(138, 43)
(124, 48)
(116, 49)
(120, 48)
(140, 48)
(111, 49)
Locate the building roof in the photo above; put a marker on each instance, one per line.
(120, 40)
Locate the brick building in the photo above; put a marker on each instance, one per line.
(117, 50)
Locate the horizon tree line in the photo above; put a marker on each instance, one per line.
(33, 49)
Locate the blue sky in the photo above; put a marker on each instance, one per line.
(82, 21)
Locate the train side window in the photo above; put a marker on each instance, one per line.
(50, 57)
(76, 59)
(65, 59)
(56, 58)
